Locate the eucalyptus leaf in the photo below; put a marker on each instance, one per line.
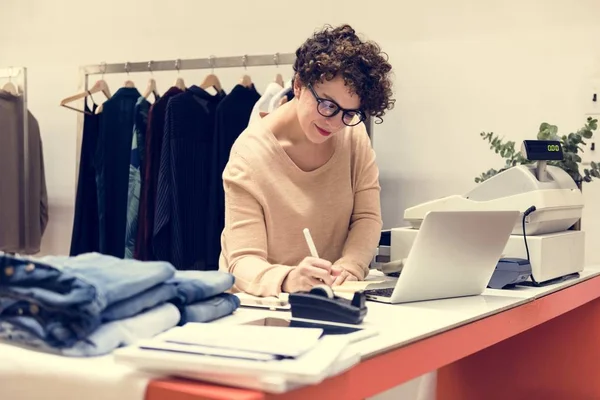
(570, 144)
(544, 126)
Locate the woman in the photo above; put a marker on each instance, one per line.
(309, 164)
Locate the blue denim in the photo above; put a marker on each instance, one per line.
(106, 338)
(152, 297)
(62, 299)
(194, 286)
(186, 287)
(210, 309)
(70, 302)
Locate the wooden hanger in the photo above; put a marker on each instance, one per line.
(180, 84)
(246, 81)
(151, 89)
(99, 86)
(10, 87)
(211, 80)
(127, 84)
(279, 79)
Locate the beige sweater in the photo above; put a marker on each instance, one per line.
(269, 200)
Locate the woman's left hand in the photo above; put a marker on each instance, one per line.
(341, 275)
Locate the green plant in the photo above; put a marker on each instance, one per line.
(571, 145)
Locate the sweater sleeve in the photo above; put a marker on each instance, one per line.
(244, 242)
(365, 222)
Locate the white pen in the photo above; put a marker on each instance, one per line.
(310, 243)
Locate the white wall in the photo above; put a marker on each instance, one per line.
(461, 67)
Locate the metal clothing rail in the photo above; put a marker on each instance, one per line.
(192, 64)
(20, 73)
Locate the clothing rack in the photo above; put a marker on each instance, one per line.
(20, 73)
(212, 62)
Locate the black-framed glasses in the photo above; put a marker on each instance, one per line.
(329, 108)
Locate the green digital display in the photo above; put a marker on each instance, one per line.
(543, 150)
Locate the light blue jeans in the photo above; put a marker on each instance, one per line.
(114, 334)
(62, 300)
(103, 340)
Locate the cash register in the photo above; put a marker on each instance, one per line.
(550, 204)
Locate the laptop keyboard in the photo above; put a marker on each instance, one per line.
(386, 292)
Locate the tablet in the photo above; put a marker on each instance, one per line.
(354, 333)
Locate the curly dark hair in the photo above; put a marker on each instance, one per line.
(363, 66)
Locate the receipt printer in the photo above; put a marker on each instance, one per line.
(509, 272)
(320, 303)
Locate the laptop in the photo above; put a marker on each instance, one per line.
(454, 254)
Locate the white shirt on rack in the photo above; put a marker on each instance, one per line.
(276, 99)
(262, 105)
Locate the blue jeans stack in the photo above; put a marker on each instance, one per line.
(91, 304)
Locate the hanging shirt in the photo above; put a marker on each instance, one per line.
(113, 156)
(15, 235)
(135, 166)
(153, 146)
(262, 105)
(84, 238)
(278, 97)
(233, 115)
(182, 196)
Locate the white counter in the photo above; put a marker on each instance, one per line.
(33, 374)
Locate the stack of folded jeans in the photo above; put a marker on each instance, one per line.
(91, 304)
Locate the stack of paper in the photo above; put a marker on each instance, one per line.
(274, 359)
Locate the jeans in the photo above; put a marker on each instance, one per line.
(186, 287)
(66, 302)
(152, 297)
(195, 286)
(62, 299)
(210, 309)
(106, 338)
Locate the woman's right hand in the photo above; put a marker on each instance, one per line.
(310, 272)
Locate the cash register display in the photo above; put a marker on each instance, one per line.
(328, 329)
(543, 150)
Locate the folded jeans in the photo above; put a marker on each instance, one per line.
(210, 309)
(114, 334)
(62, 300)
(66, 296)
(186, 287)
(105, 339)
